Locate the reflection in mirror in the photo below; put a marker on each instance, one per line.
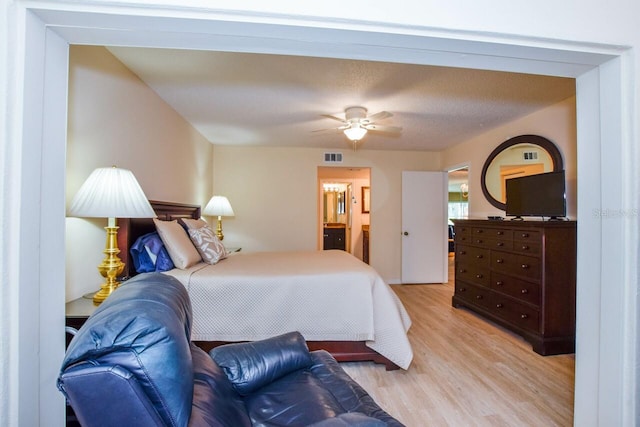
(334, 203)
(519, 156)
(517, 160)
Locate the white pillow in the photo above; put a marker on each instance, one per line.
(207, 243)
(175, 239)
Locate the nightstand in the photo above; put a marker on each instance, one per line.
(77, 312)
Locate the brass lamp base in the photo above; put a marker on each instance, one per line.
(111, 266)
(219, 229)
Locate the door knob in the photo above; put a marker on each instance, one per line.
(406, 233)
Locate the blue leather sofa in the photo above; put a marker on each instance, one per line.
(132, 364)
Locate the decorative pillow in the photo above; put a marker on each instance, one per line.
(207, 243)
(193, 223)
(181, 250)
(149, 254)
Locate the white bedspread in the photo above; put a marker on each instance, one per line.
(326, 295)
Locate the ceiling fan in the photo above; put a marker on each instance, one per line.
(356, 123)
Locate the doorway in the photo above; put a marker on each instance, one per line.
(602, 392)
(342, 223)
(458, 200)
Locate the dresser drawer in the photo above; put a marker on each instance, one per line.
(473, 274)
(462, 230)
(493, 233)
(526, 247)
(470, 255)
(515, 264)
(518, 314)
(503, 244)
(476, 295)
(533, 236)
(462, 238)
(517, 288)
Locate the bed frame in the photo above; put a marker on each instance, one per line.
(132, 228)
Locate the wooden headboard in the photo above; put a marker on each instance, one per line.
(132, 228)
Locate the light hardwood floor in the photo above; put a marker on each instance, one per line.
(467, 371)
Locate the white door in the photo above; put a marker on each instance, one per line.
(424, 227)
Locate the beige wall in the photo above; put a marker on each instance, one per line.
(556, 123)
(274, 195)
(115, 119)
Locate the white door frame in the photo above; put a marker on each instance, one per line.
(605, 391)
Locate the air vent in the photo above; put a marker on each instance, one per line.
(530, 155)
(333, 157)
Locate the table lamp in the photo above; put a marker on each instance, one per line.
(110, 193)
(219, 206)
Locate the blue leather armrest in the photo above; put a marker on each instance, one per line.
(252, 365)
(107, 396)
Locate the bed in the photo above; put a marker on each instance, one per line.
(336, 301)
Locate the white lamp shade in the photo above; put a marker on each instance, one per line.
(355, 133)
(219, 206)
(111, 193)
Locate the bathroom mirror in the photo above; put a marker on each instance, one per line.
(518, 156)
(334, 206)
(366, 199)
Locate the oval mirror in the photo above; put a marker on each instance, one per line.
(519, 156)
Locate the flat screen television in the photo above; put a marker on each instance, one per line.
(537, 195)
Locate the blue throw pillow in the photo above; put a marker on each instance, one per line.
(149, 254)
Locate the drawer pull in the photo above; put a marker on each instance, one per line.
(525, 234)
(525, 247)
(500, 233)
(525, 266)
(478, 296)
(462, 252)
(524, 291)
(478, 241)
(479, 256)
(524, 316)
(479, 231)
(462, 270)
(499, 260)
(500, 244)
(479, 276)
(462, 289)
(499, 283)
(498, 305)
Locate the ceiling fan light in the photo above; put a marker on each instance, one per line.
(355, 133)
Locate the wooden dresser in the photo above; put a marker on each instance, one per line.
(521, 275)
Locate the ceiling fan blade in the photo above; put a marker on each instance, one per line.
(329, 116)
(380, 128)
(379, 116)
(331, 130)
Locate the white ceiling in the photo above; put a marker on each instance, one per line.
(277, 100)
